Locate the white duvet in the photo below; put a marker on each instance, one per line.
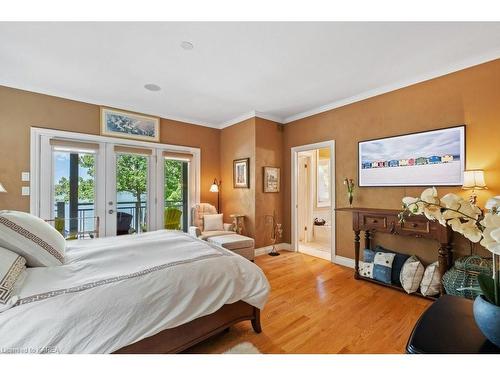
(112, 292)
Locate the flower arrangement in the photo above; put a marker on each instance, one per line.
(467, 219)
(349, 182)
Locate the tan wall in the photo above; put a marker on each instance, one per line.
(269, 137)
(238, 142)
(20, 110)
(470, 97)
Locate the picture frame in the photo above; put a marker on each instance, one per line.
(241, 173)
(130, 125)
(272, 179)
(323, 198)
(428, 158)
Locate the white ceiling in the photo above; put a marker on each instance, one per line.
(282, 71)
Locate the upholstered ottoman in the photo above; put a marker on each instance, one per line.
(241, 245)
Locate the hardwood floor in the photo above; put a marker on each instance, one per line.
(318, 307)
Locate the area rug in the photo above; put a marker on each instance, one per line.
(243, 348)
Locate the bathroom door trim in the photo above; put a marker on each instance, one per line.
(294, 180)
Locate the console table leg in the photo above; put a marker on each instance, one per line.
(356, 254)
(443, 258)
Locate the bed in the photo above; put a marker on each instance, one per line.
(157, 292)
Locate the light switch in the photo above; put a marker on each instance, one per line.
(25, 176)
(25, 190)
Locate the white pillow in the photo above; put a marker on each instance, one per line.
(431, 282)
(32, 238)
(411, 274)
(12, 267)
(365, 269)
(213, 222)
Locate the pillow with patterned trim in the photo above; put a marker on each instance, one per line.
(411, 274)
(32, 238)
(12, 267)
(431, 282)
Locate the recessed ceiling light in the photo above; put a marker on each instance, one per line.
(187, 45)
(152, 87)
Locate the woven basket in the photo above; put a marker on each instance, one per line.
(464, 275)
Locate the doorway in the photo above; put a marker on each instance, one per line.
(313, 200)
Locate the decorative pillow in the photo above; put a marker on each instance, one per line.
(382, 264)
(365, 269)
(397, 265)
(411, 274)
(431, 282)
(213, 222)
(32, 238)
(12, 266)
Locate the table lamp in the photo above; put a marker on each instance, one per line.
(474, 180)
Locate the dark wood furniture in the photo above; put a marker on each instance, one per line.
(448, 327)
(373, 220)
(177, 339)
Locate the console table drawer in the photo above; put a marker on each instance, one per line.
(373, 221)
(416, 226)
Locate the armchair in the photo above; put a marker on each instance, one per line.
(197, 230)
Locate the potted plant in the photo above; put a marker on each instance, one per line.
(466, 218)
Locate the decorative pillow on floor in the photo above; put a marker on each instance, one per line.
(397, 265)
(32, 238)
(411, 274)
(213, 222)
(382, 264)
(431, 282)
(12, 266)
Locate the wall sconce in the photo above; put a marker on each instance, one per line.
(474, 180)
(215, 188)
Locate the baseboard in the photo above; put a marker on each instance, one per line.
(343, 261)
(267, 249)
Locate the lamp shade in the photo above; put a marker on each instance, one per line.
(2, 189)
(215, 187)
(474, 180)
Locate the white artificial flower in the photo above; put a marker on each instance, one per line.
(430, 195)
(493, 203)
(487, 239)
(413, 205)
(468, 228)
(491, 221)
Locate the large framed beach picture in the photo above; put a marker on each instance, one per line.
(431, 158)
(130, 125)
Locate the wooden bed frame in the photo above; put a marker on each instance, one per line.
(177, 339)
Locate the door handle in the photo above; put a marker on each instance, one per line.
(111, 211)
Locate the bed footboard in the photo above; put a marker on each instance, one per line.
(177, 339)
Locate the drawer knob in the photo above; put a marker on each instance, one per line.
(374, 221)
(414, 225)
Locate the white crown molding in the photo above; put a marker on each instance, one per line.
(235, 120)
(248, 115)
(396, 86)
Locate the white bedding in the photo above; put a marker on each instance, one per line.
(112, 292)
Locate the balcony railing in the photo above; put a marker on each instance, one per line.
(86, 214)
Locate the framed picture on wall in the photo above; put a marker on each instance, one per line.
(241, 173)
(271, 180)
(130, 125)
(323, 183)
(431, 158)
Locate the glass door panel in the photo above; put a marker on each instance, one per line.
(74, 193)
(132, 186)
(176, 194)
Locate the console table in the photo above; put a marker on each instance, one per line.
(372, 220)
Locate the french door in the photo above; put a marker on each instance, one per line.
(130, 185)
(110, 187)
